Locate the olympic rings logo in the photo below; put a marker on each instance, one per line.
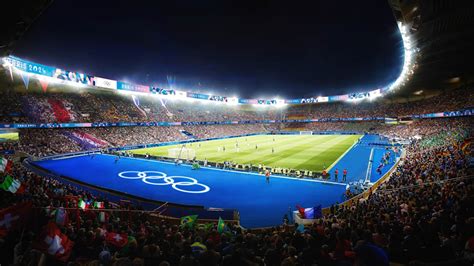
(149, 176)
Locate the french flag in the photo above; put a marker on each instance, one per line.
(310, 213)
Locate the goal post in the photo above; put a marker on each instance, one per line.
(306, 132)
(182, 153)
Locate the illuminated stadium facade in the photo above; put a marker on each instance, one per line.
(56, 75)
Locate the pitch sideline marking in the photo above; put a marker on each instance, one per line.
(342, 156)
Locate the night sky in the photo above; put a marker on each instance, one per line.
(234, 48)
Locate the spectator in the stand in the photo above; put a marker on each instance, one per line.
(412, 210)
(424, 212)
(95, 106)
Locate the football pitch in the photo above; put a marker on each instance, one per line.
(13, 136)
(302, 152)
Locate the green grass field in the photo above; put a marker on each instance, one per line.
(303, 152)
(13, 136)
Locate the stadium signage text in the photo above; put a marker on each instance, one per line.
(80, 78)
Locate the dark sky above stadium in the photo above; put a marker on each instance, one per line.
(257, 48)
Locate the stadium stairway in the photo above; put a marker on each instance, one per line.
(356, 161)
(378, 154)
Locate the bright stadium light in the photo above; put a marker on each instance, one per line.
(409, 64)
(5, 62)
(280, 103)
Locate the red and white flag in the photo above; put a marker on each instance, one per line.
(14, 217)
(115, 239)
(53, 242)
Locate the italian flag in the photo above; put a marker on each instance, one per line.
(103, 217)
(98, 205)
(82, 204)
(12, 185)
(5, 165)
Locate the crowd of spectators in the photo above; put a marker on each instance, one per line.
(364, 126)
(124, 136)
(45, 108)
(424, 127)
(423, 213)
(452, 100)
(45, 142)
(55, 141)
(213, 131)
(108, 106)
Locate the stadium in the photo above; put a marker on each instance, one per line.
(101, 170)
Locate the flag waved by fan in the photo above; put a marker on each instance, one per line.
(310, 213)
(14, 217)
(54, 243)
(12, 185)
(188, 221)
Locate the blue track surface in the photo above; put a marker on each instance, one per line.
(260, 204)
(356, 160)
(378, 154)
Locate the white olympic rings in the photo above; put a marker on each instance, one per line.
(147, 176)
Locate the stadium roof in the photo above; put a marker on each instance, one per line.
(443, 31)
(16, 18)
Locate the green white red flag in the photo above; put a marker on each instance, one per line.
(12, 185)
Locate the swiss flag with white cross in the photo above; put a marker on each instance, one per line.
(53, 242)
(14, 217)
(115, 239)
